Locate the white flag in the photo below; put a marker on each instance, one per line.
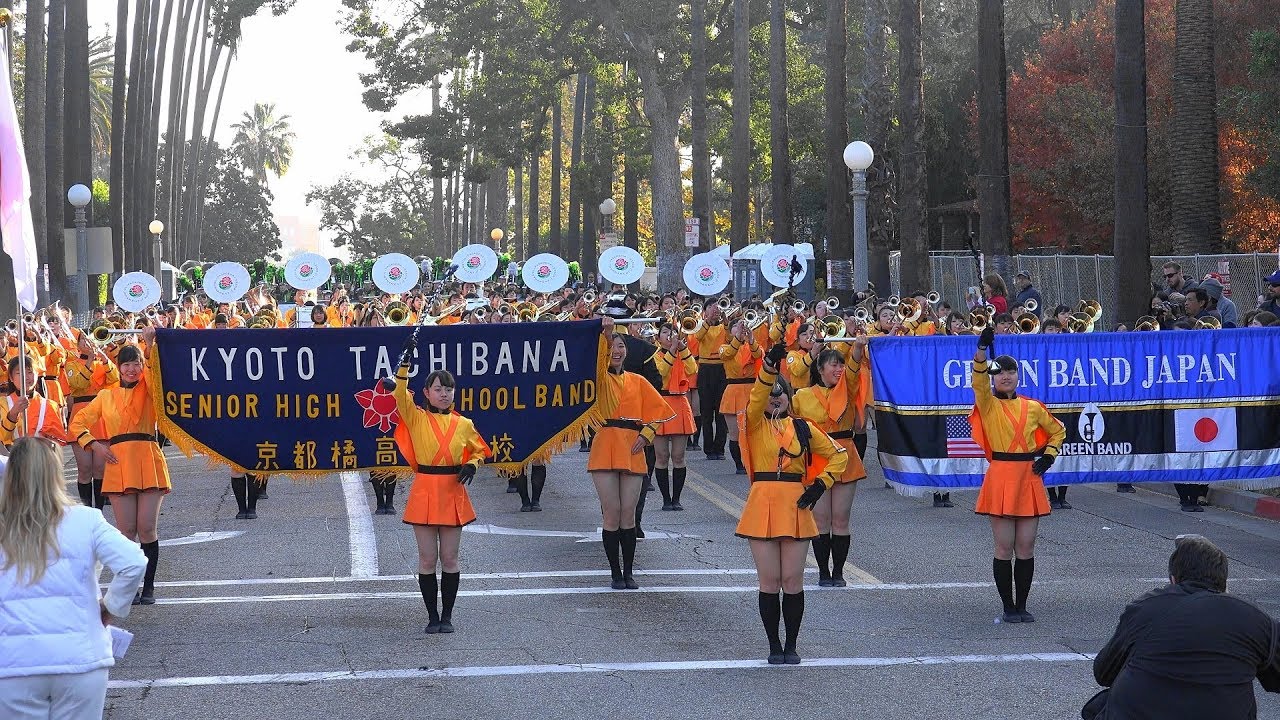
(1205, 429)
(15, 196)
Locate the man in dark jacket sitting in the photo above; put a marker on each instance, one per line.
(1188, 650)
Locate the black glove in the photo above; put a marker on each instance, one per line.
(406, 351)
(466, 474)
(811, 495)
(987, 340)
(1042, 465)
(776, 355)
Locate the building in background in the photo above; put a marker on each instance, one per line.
(298, 235)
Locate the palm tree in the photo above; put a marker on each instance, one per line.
(1131, 241)
(779, 138)
(912, 178)
(1197, 216)
(698, 126)
(101, 69)
(264, 141)
(836, 136)
(993, 132)
(740, 146)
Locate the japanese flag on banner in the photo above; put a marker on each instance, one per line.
(1204, 429)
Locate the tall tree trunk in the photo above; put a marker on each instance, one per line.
(554, 241)
(630, 202)
(517, 226)
(573, 239)
(115, 206)
(175, 127)
(150, 175)
(779, 142)
(996, 235)
(1197, 215)
(78, 167)
(205, 164)
(533, 240)
(836, 134)
(440, 229)
(877, 111)
(208, 73)
(740, 131)
(33, 119)
(701, 160)
(1132, 241)
(912, 177)
(134, 125)
(55, 149)
(589, 196)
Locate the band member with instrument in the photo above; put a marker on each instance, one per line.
(1021, 439)
(807, 346)
(89, 371)
(445, 451)
(742, 356)
(677, 366)
(43, 416)
(119, 427)
(633, 409)
(711, 380)
(831, 404)
(791, 463)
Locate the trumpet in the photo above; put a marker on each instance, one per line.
(397, 313)
(1209, 323)
(480, 313)
(991, 310)
(910, 311)
(689, 322)
(832, 328)
(832, 303)
(1146, 323)
(862, 315)
(589, 297)
(933, 298)
(1031, 305)
(798, 307)
(725, 304)
(754, 319)
(105, 335)
(893, 301)
(1028, 324)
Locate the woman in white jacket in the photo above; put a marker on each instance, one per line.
(54, 644)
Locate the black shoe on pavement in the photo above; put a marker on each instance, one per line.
(1026, 616)
(668, 506)
(535, 507)
(946, 502)
(676, 506)
(694, 446)
(446, 625)
(1011, 616)
(1125, 488)
(433, 627)
(937, 501)
(1064, 505)
(776, 658)
(630, 583)
(648, 485)
(1055, 504)
(251, 515)
(639, 533)
(526, 508)
(838, 581)
(791, 657)
(147, 597)
(824, 582)
(618, 584)
(243, 515)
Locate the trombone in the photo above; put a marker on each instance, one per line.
(909, 311)
(105, 335)
(1079, 322)
(1027, 324)
(1208, 323)
(1146, 323)
(688, 321)
(397, 313)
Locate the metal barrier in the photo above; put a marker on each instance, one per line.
(1067, 279)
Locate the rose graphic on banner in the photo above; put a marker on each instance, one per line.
(544, 271)
(136, 291)
(225, 281)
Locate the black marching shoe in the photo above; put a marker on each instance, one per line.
(667, 505)
(244, 515)
(946, 500)
(446, 625)
(937, 500)
(639, 533)
(790, 657)
(1011, 616)
(675, 505)
(433, 627)
(838, 581)
(1055, 505)
(1026, 616)
(535, 507)
(1125, 488)
(526, 508)
(147, 596)
(618, 584)
(1064, 505)
(776, 657)
(629, 583)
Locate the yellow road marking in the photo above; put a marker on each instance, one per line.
(733, 505)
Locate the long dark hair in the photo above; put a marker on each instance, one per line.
(824, 357)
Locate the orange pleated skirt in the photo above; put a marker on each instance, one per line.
(611, 451)
(735, 398)
(682, 423)
(854, 470)
(140, 466)
(1011, 490)
(438, 500)
(771, 513)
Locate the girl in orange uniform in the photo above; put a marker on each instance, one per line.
(677, 367)
(445, 450)
(791, 463)
(799, 360)
(1021, 439)
(119, 427)
(43, 416)
(633, 410)
(831, 403)
(741, 355)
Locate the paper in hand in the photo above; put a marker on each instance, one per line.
(120, 639)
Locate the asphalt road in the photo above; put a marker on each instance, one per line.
(312, 610)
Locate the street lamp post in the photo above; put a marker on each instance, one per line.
(156, 227)
(607, 209)
(79, 196)
(496, 236)
(858, 156)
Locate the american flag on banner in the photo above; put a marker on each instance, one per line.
(960, 442)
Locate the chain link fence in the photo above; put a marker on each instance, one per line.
(1067, 279)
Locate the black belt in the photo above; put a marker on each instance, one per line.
(83, 398)
(132, 437)
(777, 477)
(1013, 457)
(664, 393)
(710, 361)
(49, 377)
(624, 424)
(439, 469)
(739, 381)
(841, 435)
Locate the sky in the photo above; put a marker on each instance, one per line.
(299, 62)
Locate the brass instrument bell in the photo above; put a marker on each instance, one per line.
(1027, 324)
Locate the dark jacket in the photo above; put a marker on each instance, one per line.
(1187, 652)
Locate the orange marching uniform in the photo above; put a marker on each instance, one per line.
(437, 445)
(86, 377)
(780, 469)
(677, 374)
(833, 410)
(741, 364)
(44, 419)
(1012, 433)
(637, 411)
(125, 419)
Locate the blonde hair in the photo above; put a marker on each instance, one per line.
(32, 503)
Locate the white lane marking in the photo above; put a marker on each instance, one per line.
(363, 544)
(530, 575)
(581, 537)
(201, 537)
(508, 592)
(569, 669)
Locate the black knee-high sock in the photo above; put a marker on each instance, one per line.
(522, 487)
(1023, 570)
(610, 538)
(640, 513)
(860, 444)
(664, 484)
(822, 553)
(99, 500)
(448, 593)
(86, 493)
(735, 452)
(1062, 493)
(253, 489)
(538, 475)
(697, 429)
(390, 488)
(627, 538)
(240, 489)
(427, 584)
(152, 551)
(1002, 570)
(379, 492)
(677, 483)
(650, 461)
(770, 614)
(792, 614)
(839, 553)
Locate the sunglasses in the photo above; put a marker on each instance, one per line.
(1170, 276)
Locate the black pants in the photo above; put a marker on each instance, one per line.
(711, 384)
(1189, 493)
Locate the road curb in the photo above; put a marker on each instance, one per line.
(1242, 501)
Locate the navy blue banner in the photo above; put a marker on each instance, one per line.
(308, 401)
(1191, 406)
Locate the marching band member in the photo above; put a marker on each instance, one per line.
(1021, 439)
(741, 355)
(676, 365)
(43, 416)
(89, 372)
(791, 464)
(445, 450)
(711, 380)
(800, 359)
(831, 404)
(119, 427)
(617, 463)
